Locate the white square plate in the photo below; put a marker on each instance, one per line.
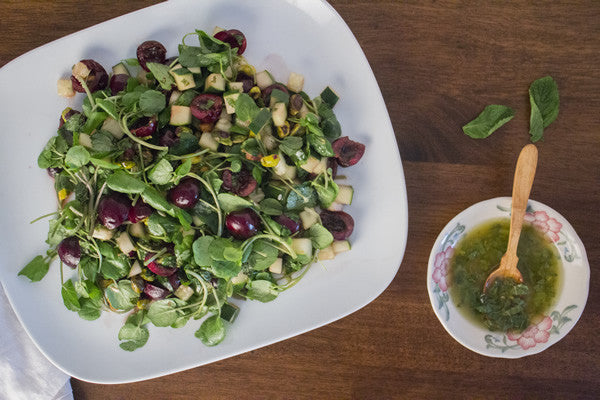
(307, 37)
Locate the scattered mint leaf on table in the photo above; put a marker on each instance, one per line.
(543, 96)
(490, 119)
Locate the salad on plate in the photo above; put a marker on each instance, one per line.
(186, 183)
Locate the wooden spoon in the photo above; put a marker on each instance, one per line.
(524, 173)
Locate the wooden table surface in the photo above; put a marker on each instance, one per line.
(438, 63)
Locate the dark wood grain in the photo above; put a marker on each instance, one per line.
(438, 64)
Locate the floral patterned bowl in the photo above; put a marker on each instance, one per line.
(559, 320)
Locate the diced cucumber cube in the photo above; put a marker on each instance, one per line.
(295, 82)
(329, 97)
(326, 254)
(180, 115)
(263, 79)
(214, 83)
(309, 217)
(302, 246)
(345, 194)
(279, 114)
(310, 164)
(340, 246)
(184, 292)
(229, 312)
(207, 141)
(230, 99)
(120, 69)
(277, 266)
(236, 86)
(183, 81)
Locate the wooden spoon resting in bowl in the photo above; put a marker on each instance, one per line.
(524, 174)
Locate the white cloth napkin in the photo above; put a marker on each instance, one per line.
(25, 373)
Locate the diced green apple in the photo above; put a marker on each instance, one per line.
(345, 194)
(180, 115)
(277, 266)
(302, 246)
(184, 292)
(64, 88)
(279, 114)
(308, 217)
(183, 81)
(340, 246)
(214, 83)
(85, 140)
(112, 125)
(229, 100)
(124, 243)
(207, 141)
(120, 69)
(326, 254)
(263, 79)
(136, 269)
(295, 82)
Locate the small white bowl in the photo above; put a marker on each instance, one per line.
(557, 322)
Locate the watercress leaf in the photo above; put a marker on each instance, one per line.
(152, 102)
(161, 173)
(187, 144)
(230, 202)
(232, 254)
(320, 236)
(103, 142)
(329, 123)
(115, 267)
(95, 119)
(301, 197)
(212, 331)
(89, 267)
(77, 157)
(47, 157)
(320, 144)
(163, 312)
(262, 290)
(36, 269)
(156, 200)
(109, 107)
(183, 250)
(491, 118)
(185, 219)
(236, 165)
(225, 269)
(161, 226)
(102, 163)
(162, 75)
(123, 182)
(75, 122)
(201, 252)
(184, 168)
(121, 295)
(536, 124)
(271, 207)
(133, 332)
(544, 93)
(186, 98)
(263, 255)
(326, 193)
(257, 174)
(90, 309)
(69, 296)
(260, 120)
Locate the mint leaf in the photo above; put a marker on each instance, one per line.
(230, 202)
(162, 75)
(123, 182)
(36, 269)
(544, 100)
(490, 119)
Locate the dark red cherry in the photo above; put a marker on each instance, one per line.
(241, 183)
(118, 83)
(139, 211)
(96, 80)
(247, 81)
(347, 152)
(113, 209)
(144, 127)
(266, 94)
(185, 194)
(151, 51)
(284, 220)
(158, 269)
(233, 37)
(155, 292)
(64, 117)
(242, 224)
(207, 107)
(339, 223)
(69, 251)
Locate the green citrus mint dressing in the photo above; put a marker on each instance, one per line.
(507, 305)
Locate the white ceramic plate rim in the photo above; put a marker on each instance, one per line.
(38, 306)
(574, 290)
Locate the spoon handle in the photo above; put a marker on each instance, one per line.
(524, 173)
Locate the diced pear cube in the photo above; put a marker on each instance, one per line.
(64, 88)
(295, 82)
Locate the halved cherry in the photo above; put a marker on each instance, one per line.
(241, 183)
(151, 51)
(158, 269)
(139, 211)
(207, 107)
(339, 223)
(113, 209)
(144, 127)
(233, 37)
(97, 79)
(347, 152)
(266, 94)
(69, 251)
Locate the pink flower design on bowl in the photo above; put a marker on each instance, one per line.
(533, 335)
(544, 223)
(442, 261)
